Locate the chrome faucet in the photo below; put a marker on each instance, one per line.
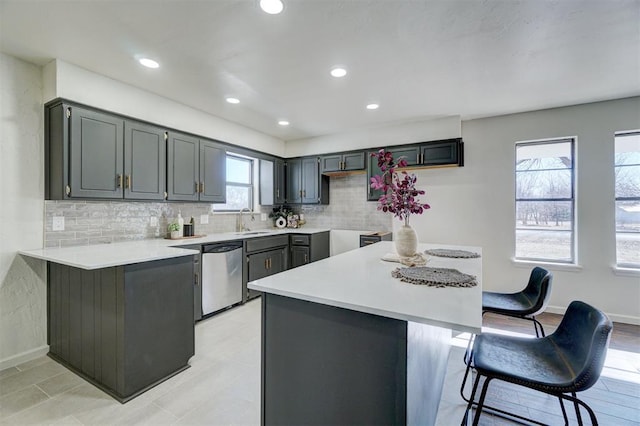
(240, 227)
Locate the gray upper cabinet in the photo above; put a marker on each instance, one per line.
(440, 153)
(272, 182)
(144, 161)
(294, 181)
(95, 154)
(342, 162)
(213, 172)
(305, 184)
(96, 151)
(183, 167)
(196, 169)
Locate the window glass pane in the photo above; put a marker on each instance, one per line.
(544, 215)
(627, 181)
(543, 184)
(628, 149)
(238, 170)
(628, 233)
(540, 156)
(238, 197)
(540, 244)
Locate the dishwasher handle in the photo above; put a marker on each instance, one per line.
(221, 248)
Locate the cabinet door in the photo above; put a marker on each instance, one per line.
(267, 183)
(144, 161)
(438, 153)
(299, 256)
(411, 154)
(96, 149)
(294, 174)
(277, 261)
(372, 170)
(182, 167)
(310, 181)
(213, 172)
(258, 265)
(331, 163)
(353, 161)
(280, 182)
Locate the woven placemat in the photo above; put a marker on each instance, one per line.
(434, 277)
(458, 254)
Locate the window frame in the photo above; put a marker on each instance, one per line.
(250, 185)
(573, 260)
(618, 264)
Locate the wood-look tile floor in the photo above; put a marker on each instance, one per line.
(222, 387)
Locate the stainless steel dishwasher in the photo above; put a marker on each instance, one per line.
(221, 276)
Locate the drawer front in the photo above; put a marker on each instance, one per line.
(365, 241)
(299, 240)
(264, 243)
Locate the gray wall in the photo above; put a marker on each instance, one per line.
(22, 281)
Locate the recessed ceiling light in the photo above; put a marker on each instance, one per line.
(373, 106)
(272, 7)
(233, 100)
(149, 63)
(283, 122)
(338, 72)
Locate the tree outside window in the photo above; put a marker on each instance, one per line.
(545, 208)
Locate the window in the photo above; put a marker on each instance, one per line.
(239, 184)
(627, 172)
(545, 208)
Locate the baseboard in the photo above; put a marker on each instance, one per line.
(23, 357)
(626, 319)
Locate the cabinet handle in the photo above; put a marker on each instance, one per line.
(266, 264)
(197, 187)
(127, 181)
(277, 193)
(119, 181)
(305, 258)
(202, 187)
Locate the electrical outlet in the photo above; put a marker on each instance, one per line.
(153, 221)
(204, 219)
(58, 223)
(263, 217)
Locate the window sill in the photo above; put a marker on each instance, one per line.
(625, 271)
(571, 267)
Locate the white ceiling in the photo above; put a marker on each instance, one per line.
(417, 59)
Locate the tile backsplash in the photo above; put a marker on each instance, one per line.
(95, 222)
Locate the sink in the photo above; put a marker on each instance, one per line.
(253, 232)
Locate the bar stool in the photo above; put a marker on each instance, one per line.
(568, 361)
(525, 304)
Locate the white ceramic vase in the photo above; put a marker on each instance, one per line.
(406, 241)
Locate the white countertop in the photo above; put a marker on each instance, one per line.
(124, 253)
(359, 280)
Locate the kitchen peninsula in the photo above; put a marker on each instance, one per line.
(343, 342)
(121, 315)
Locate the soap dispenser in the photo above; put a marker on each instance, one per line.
(180, 223)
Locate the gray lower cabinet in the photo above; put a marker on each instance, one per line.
(305, 184)
(264, 256)
(94, 154)
(126, 328)
(307, 248)
(272, 182)
(196, 169)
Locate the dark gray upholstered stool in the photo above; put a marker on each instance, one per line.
(567, 361)
(526, 304)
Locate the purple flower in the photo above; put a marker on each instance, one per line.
(399, 191)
